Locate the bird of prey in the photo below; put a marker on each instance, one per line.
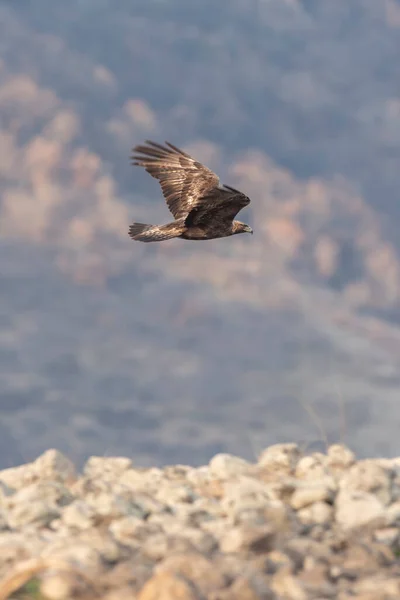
(202, 208)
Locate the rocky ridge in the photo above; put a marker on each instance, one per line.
(288, 526)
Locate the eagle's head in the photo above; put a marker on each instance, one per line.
(239, 227)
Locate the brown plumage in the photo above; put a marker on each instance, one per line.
(203, 210)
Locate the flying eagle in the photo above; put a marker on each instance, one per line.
(203, 210)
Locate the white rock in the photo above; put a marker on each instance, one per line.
(55, 466)
(125, 531)
(368, 476)
(281, 458)
(143, 480)
(52, 465)
(312, 467)
(195, 568)
(201, 540)
(57, 587)
(340, 457)
(158, 546)
(378, 588)
(246, 493)
(225, 466)
(116, 505)
(199, 475)
(106, 466)
(308, 492)
(285, 585)
(36, 503)
(79, 514)
(318, 513)
(244, 538)
(172, 492)
(38, 513)
(76, 552)
(387, 535)
(357, 508)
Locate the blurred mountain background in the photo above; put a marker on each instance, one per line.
(172, 352)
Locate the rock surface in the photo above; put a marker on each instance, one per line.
(289, 526)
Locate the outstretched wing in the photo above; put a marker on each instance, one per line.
(221, 204)
(184, 181)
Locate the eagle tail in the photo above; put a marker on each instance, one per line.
(155, 233)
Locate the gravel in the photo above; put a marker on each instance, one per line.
(289, 526)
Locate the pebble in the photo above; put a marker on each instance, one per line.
(291, 526)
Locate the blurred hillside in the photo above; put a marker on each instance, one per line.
(175, 351)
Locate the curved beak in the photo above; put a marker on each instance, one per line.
(249, 229)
